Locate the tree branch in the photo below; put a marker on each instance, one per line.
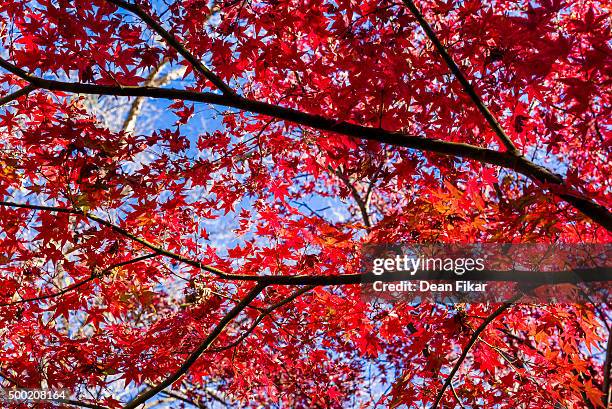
(73, 402)
(468, 88)
(265, 312)
(452, 388)
(361, 203)
(174, 43)
(182, 398)
(469, 346)
(542, 277)
(74, 286)
(157, 249)
(598, 213)
(66, 401)
(528, 343)
(13, 96)
(149, 393)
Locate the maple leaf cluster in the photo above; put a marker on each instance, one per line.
(212, 255)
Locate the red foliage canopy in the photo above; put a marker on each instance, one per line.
(189, 258)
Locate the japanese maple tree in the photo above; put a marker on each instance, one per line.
(211, 257)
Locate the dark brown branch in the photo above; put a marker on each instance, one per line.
(265, 312)
(17, 71)
(598, 213)
(467, 87)
(174, 43)
(9, 378)
(233, 313)
(81, 283)
(13, 96)
(515, 276)
(469, 346)
(530, 277)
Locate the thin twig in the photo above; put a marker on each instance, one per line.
(76, 285)
(265, 312)
(452, 388)
(361, 203)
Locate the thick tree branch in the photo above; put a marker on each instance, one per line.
(598, 213)
(233, 313)
(469, 346)
(468, 88)
(597, 274)
(513, 276)
(174, 43)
